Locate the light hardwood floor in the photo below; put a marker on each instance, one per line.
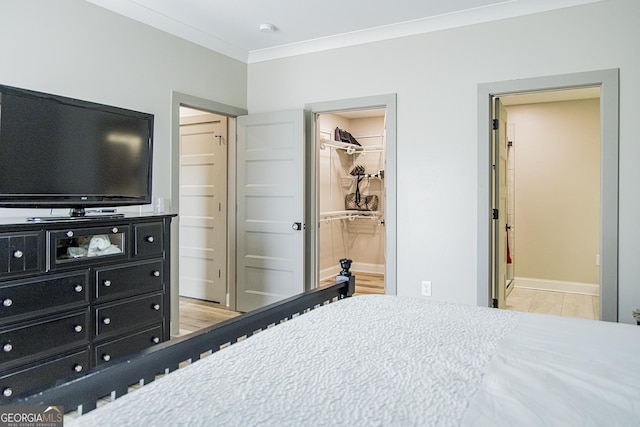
(557, 303)
(197, 314)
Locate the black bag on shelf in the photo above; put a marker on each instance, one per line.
(344, 136)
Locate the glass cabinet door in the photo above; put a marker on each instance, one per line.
(76, 245)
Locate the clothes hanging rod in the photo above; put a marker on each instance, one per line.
(380, 175)
(349, 215)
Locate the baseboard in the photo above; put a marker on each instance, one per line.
(557, 286)
(356, 267)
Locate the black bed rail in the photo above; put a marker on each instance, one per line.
(83, 392)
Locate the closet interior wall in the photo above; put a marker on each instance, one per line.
(354, 234)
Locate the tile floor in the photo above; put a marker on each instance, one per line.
(557, 303)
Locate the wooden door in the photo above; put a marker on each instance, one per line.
(203, 207)
(499, 223)
(270, 211)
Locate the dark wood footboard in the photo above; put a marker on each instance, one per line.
(113, 380)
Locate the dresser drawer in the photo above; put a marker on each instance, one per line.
(22, 299)
(43, 374)
(128, 315)
(148, 239)
(20, 253)
(129, 280)
(130, 344)
(34, 340)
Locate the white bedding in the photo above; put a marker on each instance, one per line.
(381, 360)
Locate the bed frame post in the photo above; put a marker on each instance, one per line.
(345, 275)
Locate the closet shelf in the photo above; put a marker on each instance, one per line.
(349, 148)
(349, 215)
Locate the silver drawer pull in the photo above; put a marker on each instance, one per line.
(156, 340)
(114, 230)
(18, 254)
(107, 283)
(77, 368)
(7, 302)
(156, 307)
(106, 357)
(150, 239)
(78, 288)
(156, 273)
(106, 320)
(7, 348)
(77, 328)
(69, 233)
(7, 392)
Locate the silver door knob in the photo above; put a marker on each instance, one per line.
(106, 357)
(106, 320)
(150, 239)
(7, 302)
(18, 254)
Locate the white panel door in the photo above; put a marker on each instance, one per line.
(203, 208)
(270, 197)
(500, 204)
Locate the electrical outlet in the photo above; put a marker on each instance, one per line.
(426, 288)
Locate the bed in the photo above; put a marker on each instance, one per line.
(377, 360)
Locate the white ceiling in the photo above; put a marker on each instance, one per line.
(231, 27)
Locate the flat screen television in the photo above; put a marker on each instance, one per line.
(59, 152)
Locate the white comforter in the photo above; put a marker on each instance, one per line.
(380, 360)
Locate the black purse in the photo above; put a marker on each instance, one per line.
(344, 136)
(355, 201)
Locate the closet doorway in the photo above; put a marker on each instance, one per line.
(552, 191)
(351, 192)
(491, 230)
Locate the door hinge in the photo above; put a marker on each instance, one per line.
(494, 214)
(496, 124)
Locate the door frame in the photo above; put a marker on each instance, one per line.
(177, 99)
(608, 81)
(312, 218)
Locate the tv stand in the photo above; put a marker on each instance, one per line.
(78, 294)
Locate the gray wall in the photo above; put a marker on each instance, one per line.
(77, 49)
(74, 48)
(436, 77)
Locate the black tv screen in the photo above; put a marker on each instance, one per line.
(63, 152)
